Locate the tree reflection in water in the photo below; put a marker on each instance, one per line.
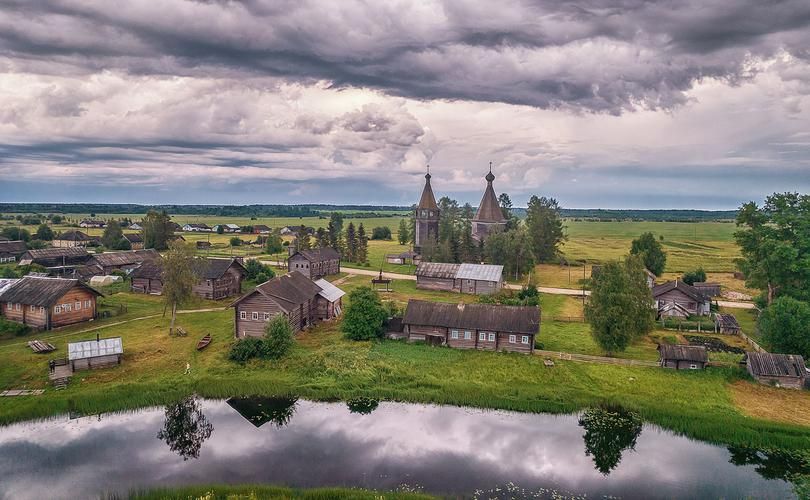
(362, 405)
(788, 465)
(259, 411)
(185, 428)
(608, 432)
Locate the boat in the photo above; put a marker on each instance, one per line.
(203, 343)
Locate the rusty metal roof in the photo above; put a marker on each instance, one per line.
(776, 365)
(489, 317)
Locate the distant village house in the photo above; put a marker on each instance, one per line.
(683, 357)
(148, 277)
(74, 239)
(677, 299)
(315, 263)
(92, 223)
(220, 278)
(477, 279)
(781, 370)
(10, 251)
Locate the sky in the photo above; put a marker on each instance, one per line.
(599, 104)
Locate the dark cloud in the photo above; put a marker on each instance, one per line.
(606, 56)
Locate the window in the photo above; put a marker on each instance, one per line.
(41, 310)
(57, 310)
(453, 334)
(66, 307)
(492, 337)
(17, 306)
(512, 339)
(242, 315)
(9, 306)
(31, 308)
(524, 339)
(87, 304)
(78, 305)
(482, 336)
(255, 315)
(467, 335)
(266, 316)
(693, 367)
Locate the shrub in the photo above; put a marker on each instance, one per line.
(381, 233)
(245, 349)
(278, 338)
(785, 326)
(12, 328)
(695, 276)
(255, 268)
(235, 241)
(364, 316)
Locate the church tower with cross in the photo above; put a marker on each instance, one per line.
(426, 224)
(489, 217)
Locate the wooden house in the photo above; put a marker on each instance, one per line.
(292, 295)
(677, 299)
(477, 279)
(486, 327)
(135, 241)
(708, 289)
(10, 251)
(683, 357)
(45, 303)
(92, 223)
(315, 263)
(726, 323)
(92, 354)
(148, 277)
(196, 228)
(261, 229)
(226, 228)
(58, 261)
(220, 278)
(105, 263)
(74, 239)
(650, 276)
(781, 370)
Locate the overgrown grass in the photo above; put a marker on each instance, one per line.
(255, 492)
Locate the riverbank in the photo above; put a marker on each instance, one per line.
(259, 492)
(324, 366)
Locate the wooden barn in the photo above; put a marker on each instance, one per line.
(261, 229)
(105, 263)
(92, 354)
(135, 241)
(93, 223)
(726, 323)
(329, 300)
(407, 257)
(708, 289)
(293, 295)
(315, 263)
(45, 303)
(676, 298)
(486, 327)
(220, 278)
(73, 239)
(781, 370)
(683, 357)
(477, 279)
(58, 261)
(148, 277)
(10, 251)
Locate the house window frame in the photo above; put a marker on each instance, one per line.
(454, 334)
(693, 366)
(9, 306)
(491, 337)
(467, 335)
(42, 309)
(267, 316)
(87, 304)
(32, 308)
(513, 339)
(255, 316)
(482, 336)
(524, 339)
(242, 314)
(57, 309)
(17, 306)
(78, 305)
(67, 307)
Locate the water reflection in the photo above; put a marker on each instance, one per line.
(185, 428)
(608, 432)
(773, 464)
(362, 405)
(443, 450)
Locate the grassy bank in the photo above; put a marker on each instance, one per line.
(255, 492)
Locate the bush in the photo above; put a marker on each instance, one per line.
(245, 349)
(381, 233)
(235, 241)
(278, 338)
(12, 328)
(785, 326)
(256, 271)
(695, 276)
(364, 316)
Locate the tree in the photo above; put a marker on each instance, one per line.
(652, 254)
(608, 432)
(361, 254)
(220, 229)
(274, 244)
(56, 219)
(123, 244)
(512, 250)
(785, 326)
(254, 268)
(16, 234)
(336, 218)
(321, 238)
(112, 235)
(620, 309)
(235, 241)
(381, 233)
(403, 235)
(351, 243)
(185, 428)
(156, 230)
(44, 233)
(302, 238)
(506, 205)
(545, 227)
(695, 276)
(364, 315)
(362, 405)
(278, 337)
(774, 241)
(180, 274)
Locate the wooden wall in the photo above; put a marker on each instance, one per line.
(229, 285)
(444, 284)
(426, 333)
(75, 315)
(147, 285)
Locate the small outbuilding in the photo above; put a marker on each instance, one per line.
(781, 370)
(726, 323)
(708, 289)
(476, 279)
(135, 241)
(148, 277)
(91, 354)
(10, 251)
(329, 302)
(683, 357)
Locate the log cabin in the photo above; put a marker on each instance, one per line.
(44, 303)
(105, 263)
(781, 370)
(476, 279)
(58, 261)
(315, 263)
(135, 241)
(220, 278)
(148, 277)
(676, 298)
(10, 251)
(485, 327)
(683, 357)
(73, 239)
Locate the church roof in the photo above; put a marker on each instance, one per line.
(428, 201)
(489, 210)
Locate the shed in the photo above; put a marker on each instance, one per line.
(99, 353)
(436, 276)
(478, 279)
(330, 300)
(708, 289)
(683, 357)
(148, 277)
(135, 240)
(781, 370)
(726, 323)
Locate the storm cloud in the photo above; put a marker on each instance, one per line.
(291, 91)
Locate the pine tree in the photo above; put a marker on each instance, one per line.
(361, 255)
(545, 227)
(351, 243)
(303, 239)
(402, 233)
(321, 238)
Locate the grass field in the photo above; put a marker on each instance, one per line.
(261, 492)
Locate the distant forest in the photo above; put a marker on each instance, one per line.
(365, 210)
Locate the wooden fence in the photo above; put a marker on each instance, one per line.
(595, 359)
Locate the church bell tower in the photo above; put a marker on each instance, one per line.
(426, 225)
